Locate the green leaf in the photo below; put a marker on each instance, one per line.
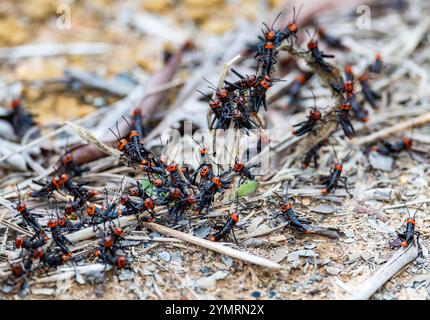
(146, 185)
(247, 188)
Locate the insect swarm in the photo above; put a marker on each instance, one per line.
(146, 196)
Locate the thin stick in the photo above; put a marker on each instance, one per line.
(399, 260)
(396, 206)
(217, 247)
(402, 126)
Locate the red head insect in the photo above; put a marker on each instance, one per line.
(204, 171)
(68, 158)
(345, 107)
(149, 204)
(15, 103)
(17, 269)
(157, 183)
(349, 86)
(121, 144)
(52, 223)
(92, 193)
(175, 193)
(38, 253)
(214, 104)
(287, 206)
(62, 221)
(292, 26)
(121, 262)
(407, 142)
(19, 242)
(172, 167)
(57, 182)
(21, 207)
(238, 166)
(136, 112)
(301, 78)
(134, 192)
(313, 44)
(118, 231)
(133, 134)
(191, 199)
(69, 209)
(64, 178)
(108, 242)
(91, 209)
(203, 152)
(348, 69)
(234, 217)
(338, 167)
(266, 82)
(217, 181)
(221, 93)
(315, 114)
(123, 199)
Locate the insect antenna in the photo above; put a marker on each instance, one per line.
(346, 157)
(204, 95)
(237, 73)
(128, 123)
(407, 209)
(19, 194)
(274, 21)
(335, 154)
(211, 85)
(418, 209)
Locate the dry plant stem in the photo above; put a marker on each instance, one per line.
(328, 124)
(412, 203)
(217, 247)
(402, 126)
(90, 138)
(399, 260)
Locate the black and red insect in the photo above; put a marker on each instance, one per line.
(308, 125)
(59, 238)
(287, 212)
(370, 95)
(318, 55)
(333, 181)
(406, 237)
(28, 216)
(387, 148)
(20, 119)
(344, 119)
(377, 65)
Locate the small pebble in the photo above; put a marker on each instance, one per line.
(165, 256)
(227, 260)
(349, 233)
(205, 270)
(256, 294)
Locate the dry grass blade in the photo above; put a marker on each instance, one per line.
(90, 138)
(402, 126)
